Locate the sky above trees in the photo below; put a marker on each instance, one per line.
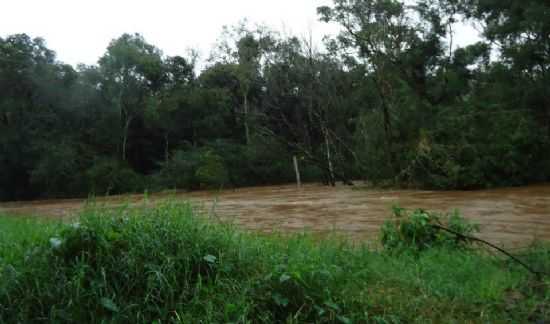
(79, 31)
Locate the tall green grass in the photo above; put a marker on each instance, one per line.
(167, 265)
(18, 234)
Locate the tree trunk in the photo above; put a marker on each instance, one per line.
(246, 128)
(166, 148)
(122, 144)
(125, 137)
(297, 171)
(384, 93)
(329, 159)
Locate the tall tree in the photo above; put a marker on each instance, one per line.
(520, 32)
(245, 49)
(133, 72)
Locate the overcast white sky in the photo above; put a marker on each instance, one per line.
(80, 30)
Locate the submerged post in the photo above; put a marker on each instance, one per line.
(297, 171)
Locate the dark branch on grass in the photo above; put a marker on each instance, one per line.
(539, 274)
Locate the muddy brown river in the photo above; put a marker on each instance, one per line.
(507, 216)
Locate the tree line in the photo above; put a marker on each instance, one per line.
(392, 100)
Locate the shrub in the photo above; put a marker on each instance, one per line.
(109, 176)
(211, 172)
(193, 169)
(179, 170)
(417, 230)
(268, 161)
(59, 171)
(262, 161)
(511, 153)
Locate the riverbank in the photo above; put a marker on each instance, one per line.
(511, 217)
(164, 264)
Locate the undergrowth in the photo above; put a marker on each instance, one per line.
(419, 230)
(167, 265)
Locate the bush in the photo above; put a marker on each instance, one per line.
(212, 172)
(179, 170)
(109, 176)
(262, 161)
(268, 162)
(59, 171)
(493, 148)
(417, 230)
(194, 169)
(224, 163)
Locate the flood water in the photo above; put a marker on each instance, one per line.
(507, 216)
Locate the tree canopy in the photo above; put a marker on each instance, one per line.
(392, 99)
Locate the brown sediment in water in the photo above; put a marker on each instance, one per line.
(508, 216)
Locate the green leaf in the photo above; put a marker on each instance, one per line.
(280, 300)
(332, 305)
(210, 258)
(320, 311)
(284, 277)
(109, 304)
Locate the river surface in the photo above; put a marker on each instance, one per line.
(511, 217)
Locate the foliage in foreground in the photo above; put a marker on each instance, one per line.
(417, 230)
(165, 265)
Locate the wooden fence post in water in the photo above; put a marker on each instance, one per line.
(297, 170)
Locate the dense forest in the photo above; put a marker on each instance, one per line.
(390, 100)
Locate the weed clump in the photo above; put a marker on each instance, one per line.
(419, 230)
